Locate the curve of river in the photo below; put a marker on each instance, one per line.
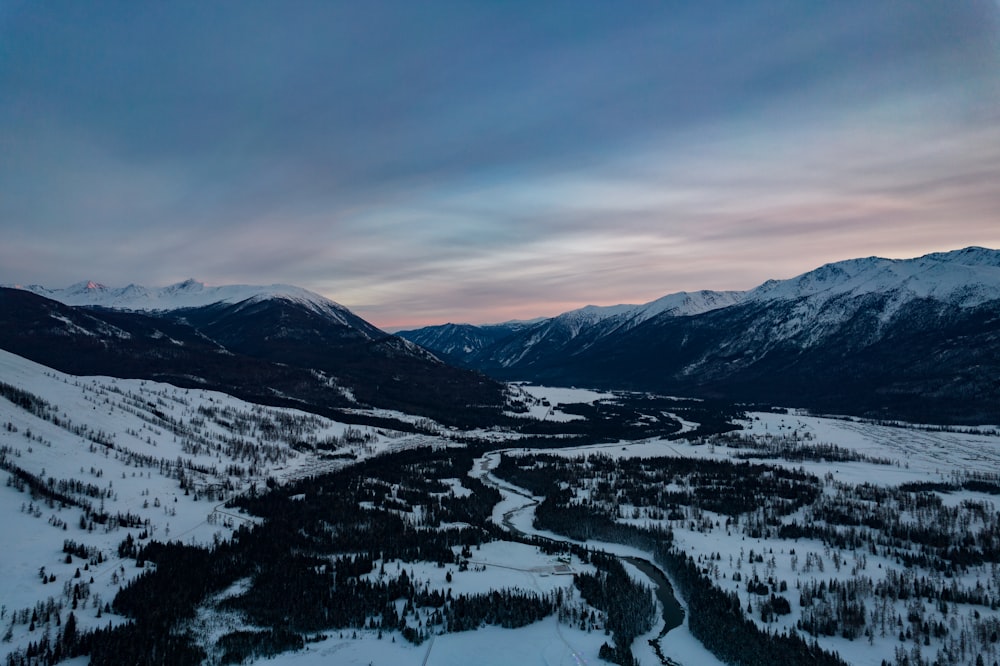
(673, 613)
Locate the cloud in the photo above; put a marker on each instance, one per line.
(477, 161)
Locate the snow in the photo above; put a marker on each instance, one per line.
(187, 294)
(137, 473)
(678, 304)
(913, 453)
(123, 411)
(687, 303)
(544, 642)
(517, 509)
(542, 403)
(964, 277)
(565, 396)
(496, 565)
(919, 454)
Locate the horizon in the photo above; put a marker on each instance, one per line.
(97, 284)
(486, 163)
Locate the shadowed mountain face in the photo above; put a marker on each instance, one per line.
(930, 362)
(456, 342)
(274, 350)
(916, 339)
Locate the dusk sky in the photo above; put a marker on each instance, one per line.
(424, 162)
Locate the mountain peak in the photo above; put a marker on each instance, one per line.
(187, 285)
(967, 277)
(973, 255)
(83, 287)
(187, 294)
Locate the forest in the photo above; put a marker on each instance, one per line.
(937, 580)
(776, 557)
(332, 555)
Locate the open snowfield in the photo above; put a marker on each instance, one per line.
(544, 642)
(122, 447)
(894, 455)
(159, 462)
(543, 402)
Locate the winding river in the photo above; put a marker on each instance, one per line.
(673, 614)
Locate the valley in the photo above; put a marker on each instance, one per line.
(804, 473)
(581, 333)
(162, 465)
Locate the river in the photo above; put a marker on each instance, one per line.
(673, 613)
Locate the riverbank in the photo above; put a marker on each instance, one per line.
(669, 642)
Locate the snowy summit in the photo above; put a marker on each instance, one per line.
(188, 294)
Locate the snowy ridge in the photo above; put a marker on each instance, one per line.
(685, 303)
(187, 294)
(679, 304)
(965, 278)
(822, 300)
(581, 329)
(127, 443)
(611, 318)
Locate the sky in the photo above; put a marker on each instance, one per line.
(426, 162)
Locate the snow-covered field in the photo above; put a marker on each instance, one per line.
(151, 460)
(544, 642)
(893, 455)
(543, 403)
(127, 447)
(129, 444)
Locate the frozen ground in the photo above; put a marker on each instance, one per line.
(140, 435)
(127, 443)
(896, 455)
(543, 402)
(516, 510)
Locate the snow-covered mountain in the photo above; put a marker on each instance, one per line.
(830, 295)
(455, 342)
(965, 278)
(506, 344)
(188, 294)
(900, 334)
(272, 344)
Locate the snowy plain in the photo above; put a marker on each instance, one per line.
(154, 434)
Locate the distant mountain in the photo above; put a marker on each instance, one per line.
(456, 342)
(270, 344)
(187, 294)
(518, 343)
(915, 338)
(573, 332)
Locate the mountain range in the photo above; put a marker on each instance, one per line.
(277, 345)
(914, 338)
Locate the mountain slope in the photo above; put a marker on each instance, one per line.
(504, 345)
(271, 349)
(92, 461)
(929, 362)
(455, 342)
(575, 331)
(915, 338)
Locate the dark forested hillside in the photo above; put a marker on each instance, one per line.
(273, 352)
(929, 362)
(915, 339)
